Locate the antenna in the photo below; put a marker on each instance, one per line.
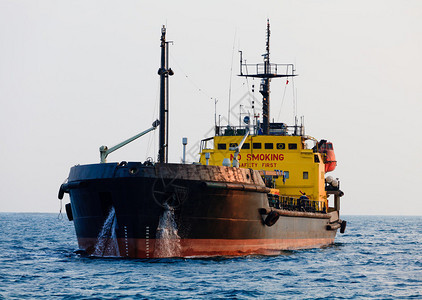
(230, 87)
(215, 113)
(266, 72)
(241, 60)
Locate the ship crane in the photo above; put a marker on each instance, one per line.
(105, 151)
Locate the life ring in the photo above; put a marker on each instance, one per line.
(272, 218)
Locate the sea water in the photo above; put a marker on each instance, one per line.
(167, 238)
(107, 240)
(377, 258)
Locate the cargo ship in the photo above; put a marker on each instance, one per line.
(257, 189)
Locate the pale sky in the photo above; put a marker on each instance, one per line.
(75, 75)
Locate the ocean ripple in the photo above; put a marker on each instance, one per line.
(377, 257)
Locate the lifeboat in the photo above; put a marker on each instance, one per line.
(326, 148)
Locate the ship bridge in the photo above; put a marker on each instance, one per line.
(280, 152)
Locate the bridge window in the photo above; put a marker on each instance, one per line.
(269, 146)
(222, 146)
(233, 145)
(281, 146)
(292, 146)
(246, 146)
(316, 158)
(305, 175)
(257, 145)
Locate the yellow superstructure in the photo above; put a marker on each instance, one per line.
(301, 170)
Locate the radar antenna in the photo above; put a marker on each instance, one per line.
(266, 71)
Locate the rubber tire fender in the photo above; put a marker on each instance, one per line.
(272, 218)
(69, 211)
(343, 226)
(61, 192)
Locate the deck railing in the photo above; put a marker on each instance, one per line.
(255, 130)
(267, 70)
(296, 204)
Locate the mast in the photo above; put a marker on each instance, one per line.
(164, 73)
(265, 87)
(266, 71)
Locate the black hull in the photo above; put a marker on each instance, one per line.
(216, 211)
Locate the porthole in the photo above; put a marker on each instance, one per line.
(281, 146)
(133, 171)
